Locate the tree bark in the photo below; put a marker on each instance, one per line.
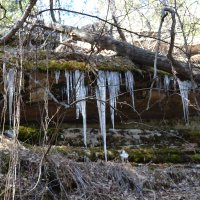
(113, 11)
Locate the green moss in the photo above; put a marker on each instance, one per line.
(96, 153)
(169, 156)
(144, 155)
(173, 158)
(27, 133)
(112, 68)
(62, 64)
(69, 65)
(62, 149)
(195, 132)
(140, 155)
(169, 151)
(34, 135)
(196, 157)
(57, 65)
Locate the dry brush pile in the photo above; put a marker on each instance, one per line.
(54, 176)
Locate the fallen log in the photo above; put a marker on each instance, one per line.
(135, 54)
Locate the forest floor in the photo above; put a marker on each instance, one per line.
(36, 173)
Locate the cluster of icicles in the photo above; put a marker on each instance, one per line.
(110, 80)
(9, 85)
(105, 79)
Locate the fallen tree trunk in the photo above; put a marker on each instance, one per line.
(135, 54)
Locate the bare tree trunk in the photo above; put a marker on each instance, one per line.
(113, 11)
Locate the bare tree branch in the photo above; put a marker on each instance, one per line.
(172, 32)
(4, 14)
(158, 44)
(19, 23)
(139, 34)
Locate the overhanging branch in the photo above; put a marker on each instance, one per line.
(19, 23)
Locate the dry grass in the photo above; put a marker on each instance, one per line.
(58, 178)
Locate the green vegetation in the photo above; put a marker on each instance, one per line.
(28, 134)
(195, 133)
(73, 65)
(140, 155)
(13, 12)
(196, 157)
(34, 135)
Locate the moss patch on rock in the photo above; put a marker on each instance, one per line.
(28, 134)
(61, 64)
(141, 155)
(34, 135)
(196, 157)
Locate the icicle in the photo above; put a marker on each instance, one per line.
(129, 79)
(101, 104)
(78, 84)
(166, 83)
(4, 75)
(80, 98)
(57, 76)
(71, 84)
(113, 79)
(158, 84)
(61, 37)
(120, 77)
(184, 87)
(30, 90)
(67, 78)
(11, 90)
(63, 90)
